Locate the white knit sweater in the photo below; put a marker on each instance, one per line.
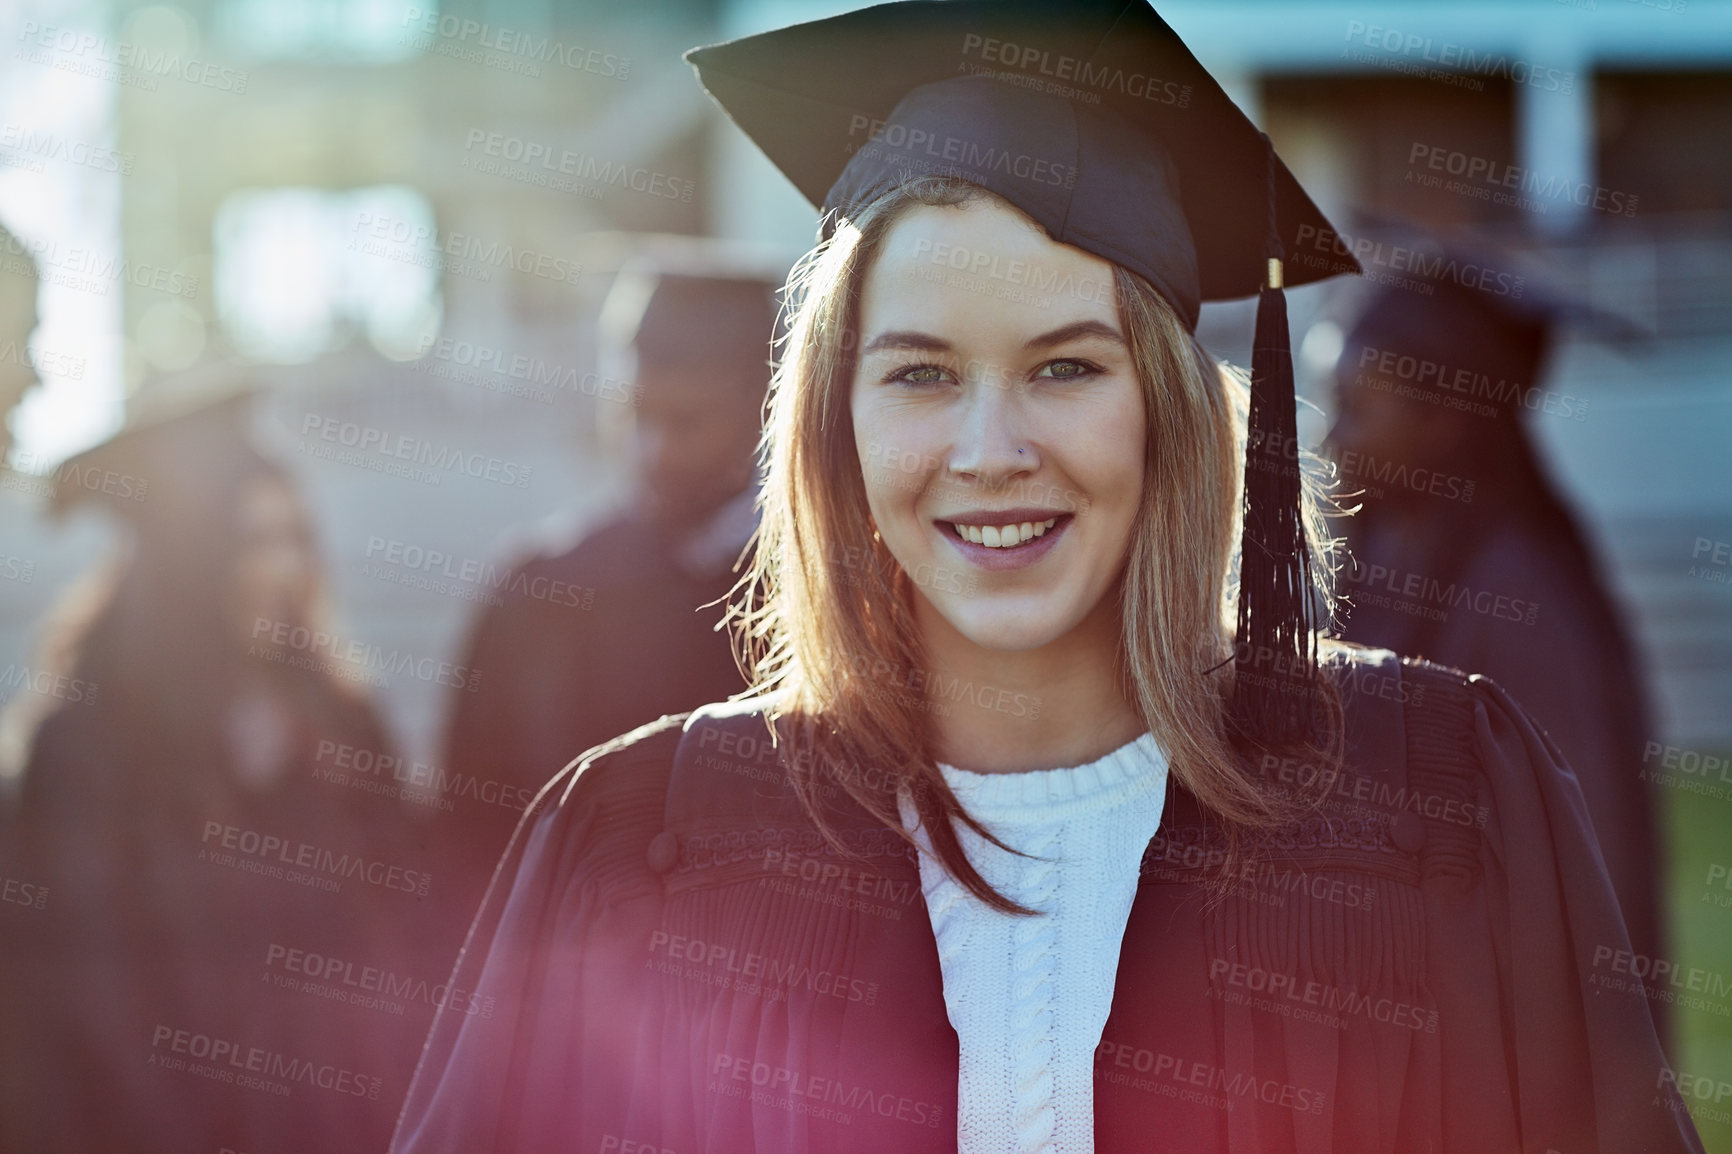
(1029, 997)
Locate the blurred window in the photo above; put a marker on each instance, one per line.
(361, 31)
(302, 271)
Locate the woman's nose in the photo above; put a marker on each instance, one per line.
(992, 439)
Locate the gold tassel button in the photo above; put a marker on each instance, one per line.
(1274, 280)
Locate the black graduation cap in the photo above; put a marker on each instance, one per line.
(710, 313)
(1474, 307)
(185, 438)
(1094, 119)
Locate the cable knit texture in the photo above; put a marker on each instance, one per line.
(1029, 996)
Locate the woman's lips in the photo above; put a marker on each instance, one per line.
(1002, 557)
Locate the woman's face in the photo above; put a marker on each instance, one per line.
(1376, 422)
(982, 407)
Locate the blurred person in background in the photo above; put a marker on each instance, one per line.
(1432, 392)
(174, 724)
(596, 639)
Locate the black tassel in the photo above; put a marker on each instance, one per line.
(1275, 651)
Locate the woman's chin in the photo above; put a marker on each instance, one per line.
(1008, 631)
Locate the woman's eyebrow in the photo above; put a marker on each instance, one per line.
(912, 339)
(906, 339)
(1074, 332)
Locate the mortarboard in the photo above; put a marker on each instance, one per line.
(185, 435)
(1475, 314)
(1095, 120)
(720, 318)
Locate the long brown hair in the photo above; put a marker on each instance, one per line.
(823, 650)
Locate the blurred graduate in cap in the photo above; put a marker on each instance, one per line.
(1040, 850)
(1477, 560)
(596, 638)
(167, 734)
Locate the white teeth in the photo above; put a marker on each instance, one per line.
(1004, 536)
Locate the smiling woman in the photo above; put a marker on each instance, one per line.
(1052, 821)
(1097, 412)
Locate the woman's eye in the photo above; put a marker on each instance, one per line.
(1068, 370)
(920, 375)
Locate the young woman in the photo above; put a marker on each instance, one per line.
(1022, 844)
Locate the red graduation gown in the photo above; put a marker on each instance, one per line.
(679, 964)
